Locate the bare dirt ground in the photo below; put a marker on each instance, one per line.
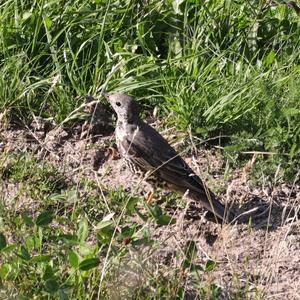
(262, 257)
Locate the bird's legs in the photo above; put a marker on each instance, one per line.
(149, 197)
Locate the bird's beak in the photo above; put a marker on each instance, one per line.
(106, 95)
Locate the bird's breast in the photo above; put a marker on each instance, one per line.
(124, 136)
(121, 133)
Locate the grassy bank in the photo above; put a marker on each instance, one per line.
(219, 67)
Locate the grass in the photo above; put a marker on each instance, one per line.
(49, 249)
(225, 71)
(218, 68)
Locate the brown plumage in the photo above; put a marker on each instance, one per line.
(143, 148)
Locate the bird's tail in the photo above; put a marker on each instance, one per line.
(213, 204)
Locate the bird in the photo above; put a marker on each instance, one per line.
(145, 150)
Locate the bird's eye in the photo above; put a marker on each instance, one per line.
(118, 103)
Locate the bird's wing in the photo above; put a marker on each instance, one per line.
(150, 151)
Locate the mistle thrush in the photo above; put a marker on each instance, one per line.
(144, 149)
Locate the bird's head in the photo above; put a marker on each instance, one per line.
(125, 107)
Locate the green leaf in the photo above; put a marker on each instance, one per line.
(83, 230)
(156, 211)
(190, 251)
(48, 22)
(57, 197)
(210, 265)
(41, 258)
(4, 270)
(49, 273)
(106, 221)
(235, 147)
(2, 241)
(44, 218)
(69, 239)
(270, 58)
(89, 263)
(24, 253)
(69, 196)
(73, 259)
(131, 204)
(9, 248)
(194, 269)
(85, 249)
(72, 196)
(30, 242)
(27, 219)
(39, 237)
(51, 285)
(165, 220)
(201, 131)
